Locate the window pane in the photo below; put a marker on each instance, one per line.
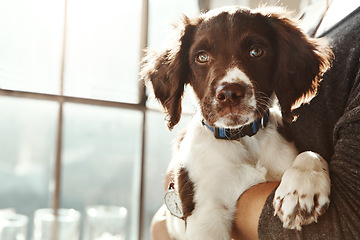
(101, 159)
(31, 44)
(103, 49)
(159, 141)
(161, 30)
(27, 140)
(158, 155)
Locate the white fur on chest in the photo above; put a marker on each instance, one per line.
(222, 170)
(202, 153)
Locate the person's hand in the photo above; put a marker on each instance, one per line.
(158, 225)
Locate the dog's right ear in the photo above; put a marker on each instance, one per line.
(169, 71)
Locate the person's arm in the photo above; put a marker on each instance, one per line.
(158, 229)
(249, 208)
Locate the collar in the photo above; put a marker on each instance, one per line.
(237, 133)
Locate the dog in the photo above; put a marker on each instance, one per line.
(249, 69)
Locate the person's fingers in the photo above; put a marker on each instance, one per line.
(158, 228)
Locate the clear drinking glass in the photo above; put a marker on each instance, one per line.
(13, 226)
(105, 223)
(63, 226)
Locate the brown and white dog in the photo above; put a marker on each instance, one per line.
(249, 69)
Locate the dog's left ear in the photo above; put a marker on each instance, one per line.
(301, 63)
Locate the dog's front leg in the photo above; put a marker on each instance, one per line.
(303, 194)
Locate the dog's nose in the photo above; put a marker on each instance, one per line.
(230, 92)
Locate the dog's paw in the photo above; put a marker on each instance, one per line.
(303, 194)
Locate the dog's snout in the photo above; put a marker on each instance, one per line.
(230, 92)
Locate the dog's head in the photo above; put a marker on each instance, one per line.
(236, 60)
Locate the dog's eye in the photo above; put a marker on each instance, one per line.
(256, 52)
(202, 57)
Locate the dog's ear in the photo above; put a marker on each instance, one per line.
(301, 62)
(169, 71)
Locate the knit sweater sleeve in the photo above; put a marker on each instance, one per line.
(342, 219)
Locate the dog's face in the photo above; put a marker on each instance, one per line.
(231, 64)
(236, 60)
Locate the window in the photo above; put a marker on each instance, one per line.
(77, 71)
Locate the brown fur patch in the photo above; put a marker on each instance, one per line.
(186, 192)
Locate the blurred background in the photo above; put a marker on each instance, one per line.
(76, 128)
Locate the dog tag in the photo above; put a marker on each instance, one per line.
(173, 203)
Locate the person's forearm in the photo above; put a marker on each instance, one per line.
(249, 208)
